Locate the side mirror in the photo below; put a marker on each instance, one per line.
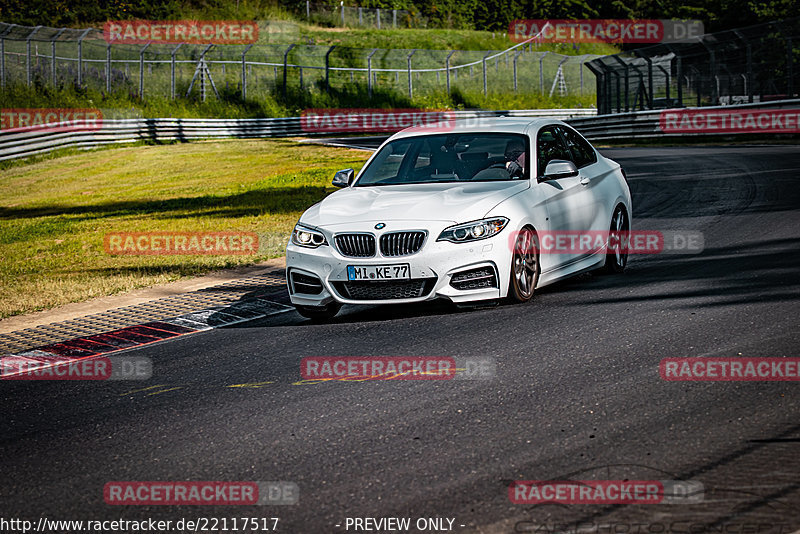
(343, 178)
(559, 168)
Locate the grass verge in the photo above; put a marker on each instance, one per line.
(55, 213)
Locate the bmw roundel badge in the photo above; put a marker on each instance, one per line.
(380, 226)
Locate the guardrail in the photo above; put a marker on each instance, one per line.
(19, 144)
(645, 124)
(623, 126)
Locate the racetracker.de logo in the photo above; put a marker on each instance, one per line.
(605, 491)
(50, 119)
(604, 30)
(207, 493)
(375, 120)
(181, 31)
(730, 369)
(377, 368)
(103, 368)
(181, 243)
(730, 121)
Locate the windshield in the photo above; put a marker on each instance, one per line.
(449, 158)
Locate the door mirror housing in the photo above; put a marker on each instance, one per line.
(343, 178)
(559, 168)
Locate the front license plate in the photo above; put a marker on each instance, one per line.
(379, 272)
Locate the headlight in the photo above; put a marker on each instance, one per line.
(306, 237)
(474, 230)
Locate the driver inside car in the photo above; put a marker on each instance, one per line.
(515, 158)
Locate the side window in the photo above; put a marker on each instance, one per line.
(582, 152)
(549, 146)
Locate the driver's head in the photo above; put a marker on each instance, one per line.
(514, 149)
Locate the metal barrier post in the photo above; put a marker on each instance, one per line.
(285, 64)
(327, 68)
(244, 71)
(369, 71)
(627, 86)
(447, 68)
(3, 55)
(172, 70)
(53, 73)
(410, 88)
(514, 62)
(141, 71)
(483, 64)
(80, 56)
(541, 72)
(108, 68)
(28, 50)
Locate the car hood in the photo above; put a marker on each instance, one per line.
(449, 202)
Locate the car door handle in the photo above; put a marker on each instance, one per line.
(585, 181)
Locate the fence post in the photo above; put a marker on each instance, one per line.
(3, 55)
(308, 9)
(541, 72)
(447, 67)
(514, 62)
(285, 65)
(483, 62)
(327, 68)
(369, 71)
(378, 17)
(53, 55)
(583, 63)
(80, 56)
(28, 50)
(394, 18)
(789, 68)
(341, 4)
(244, 71)
(172, 70)
(108, 68)
(627, 78)
(410, 87)
(141, 71)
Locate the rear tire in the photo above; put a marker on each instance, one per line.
(319, 313)
(525, 268)
(617, 258)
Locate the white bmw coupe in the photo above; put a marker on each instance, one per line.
(457, 213)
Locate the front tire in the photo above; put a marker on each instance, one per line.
(616, 256)
(319, 313)
(525, 268)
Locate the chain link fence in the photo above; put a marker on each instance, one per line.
(362, 17)
(754, 64)
(53, 56)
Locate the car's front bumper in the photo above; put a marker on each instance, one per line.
(432, 270)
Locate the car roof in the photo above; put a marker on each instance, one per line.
(518, 125)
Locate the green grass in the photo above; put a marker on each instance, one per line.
(55, 213)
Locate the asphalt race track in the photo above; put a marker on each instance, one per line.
(577, 393)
